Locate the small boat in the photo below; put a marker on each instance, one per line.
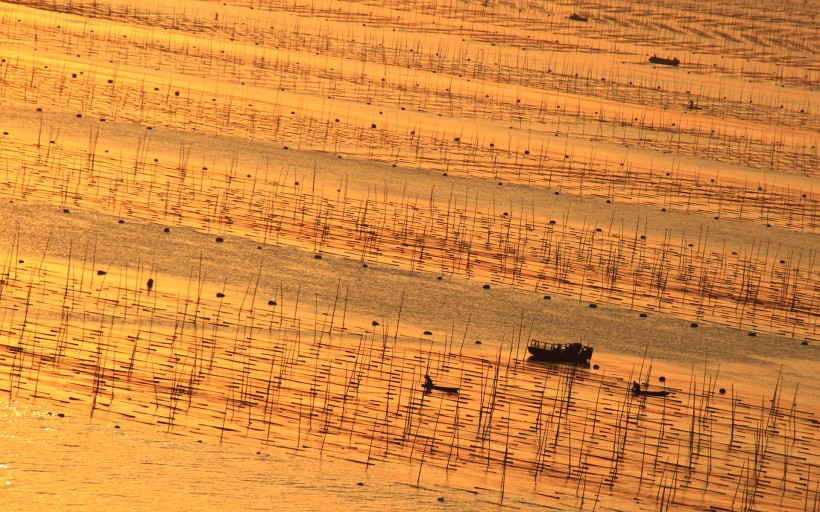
(443, 389)
(430, 386)
(638, 391)
(573, 353)
(577, 17)
(666, 62)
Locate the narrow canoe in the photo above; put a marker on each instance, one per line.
(444, 389)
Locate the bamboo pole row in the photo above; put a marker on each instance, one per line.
(758, 287)
(647, 115)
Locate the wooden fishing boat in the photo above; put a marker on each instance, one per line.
(665, 61)
(573, 353)
(577, 17)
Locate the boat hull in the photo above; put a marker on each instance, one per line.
(443, 389)
(572, 353)
(665, 62)
(650, 393)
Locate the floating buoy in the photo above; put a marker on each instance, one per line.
(428, 333)
(271, 303)
(486, 287)
(220, 295)
(219, 239)
(375, 323)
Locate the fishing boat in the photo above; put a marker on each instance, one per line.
(573, 353)
(665, 61)
(577, 17)
(430, 386)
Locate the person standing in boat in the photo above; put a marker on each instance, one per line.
(428, 382)
(636, 388)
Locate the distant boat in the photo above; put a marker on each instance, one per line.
(577, 17)
(666, 62)
(573, 353)
(430, 386)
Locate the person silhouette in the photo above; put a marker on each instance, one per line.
(635, 387)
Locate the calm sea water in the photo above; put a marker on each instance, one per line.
(79, 463)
